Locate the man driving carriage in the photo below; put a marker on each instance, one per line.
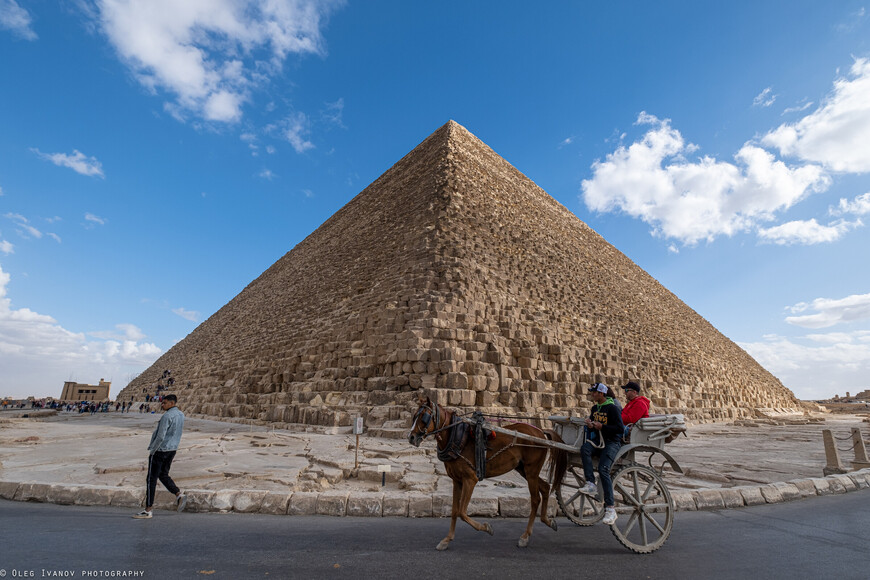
(604, 430)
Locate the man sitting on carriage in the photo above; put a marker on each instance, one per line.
(604, 431)
(636, 409)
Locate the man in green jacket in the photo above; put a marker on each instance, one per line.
(604, 430)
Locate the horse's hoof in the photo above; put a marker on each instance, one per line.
(523, 543)
(554, 525)
(442, 545)
(488, 529)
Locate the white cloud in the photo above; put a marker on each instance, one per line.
(651, 179)
(830, 312)
(835, 134)
(16, 19)
(95, 219)
(23, 226)
(334, 112)
(209, 54)
(267, 174)
(124, 332)
(296, 130)
(78, 162)
(807, 232)
(764, 99)
(37, 354)
(6, 247)
(54, 236)
(858, 206)
(191, 315)
(817, 366)
(798, 108)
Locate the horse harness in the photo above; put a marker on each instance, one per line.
(458, 435)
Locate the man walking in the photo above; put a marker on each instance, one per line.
(161, 452)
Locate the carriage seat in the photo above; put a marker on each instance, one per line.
(656, 430)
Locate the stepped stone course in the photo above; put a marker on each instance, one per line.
(455, 273)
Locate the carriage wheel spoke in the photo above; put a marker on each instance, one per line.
(653, 521)
(630, 525)
(643, 533)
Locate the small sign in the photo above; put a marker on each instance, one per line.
(384, 468)
(358, 426)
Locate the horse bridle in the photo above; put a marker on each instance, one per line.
(426, 418)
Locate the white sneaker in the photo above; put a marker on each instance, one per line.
(143, 515)
(590, 488)
(609, 516)
(180, 502)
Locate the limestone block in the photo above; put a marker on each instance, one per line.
(420, 505)
(200, 501)
(275, 503)
(8, 489)
(752, 495)
(92, 495)
(514, 506)
(32, 492)
(709, 499)
(128, 497)
(483, 507)
(822, 485)
(395, 505)
(442, 505)
(684, 501)
(732, 498)
(805, 486)
(365, 504)
(303, 503)
(248, 501)
(771, 493)
(66, 494)
(836, 485)
(847, 482)
(860, 479)
(332, 503)
(788, 490)
(222, 500)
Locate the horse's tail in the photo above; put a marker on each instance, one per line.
(558, 461)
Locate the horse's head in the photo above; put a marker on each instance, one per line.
(425, 420)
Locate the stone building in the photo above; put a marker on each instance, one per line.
(73, 391)
(456, 273)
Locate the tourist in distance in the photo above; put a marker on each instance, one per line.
(637, 407)
(161, 452)
(604, 425)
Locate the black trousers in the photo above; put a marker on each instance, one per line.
(158, 468)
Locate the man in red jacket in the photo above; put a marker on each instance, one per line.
(636, 408)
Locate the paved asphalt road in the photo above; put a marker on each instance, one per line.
(825, 537)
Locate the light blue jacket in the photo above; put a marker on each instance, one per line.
(167, 435)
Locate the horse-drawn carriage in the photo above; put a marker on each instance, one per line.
(643, 502)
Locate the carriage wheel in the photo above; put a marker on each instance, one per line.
(582, 509)
(645, 509)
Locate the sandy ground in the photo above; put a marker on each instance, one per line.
(110, 449)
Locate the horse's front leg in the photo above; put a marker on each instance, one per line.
(454, 512)
(467, 489)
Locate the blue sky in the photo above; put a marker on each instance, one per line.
(156, 156)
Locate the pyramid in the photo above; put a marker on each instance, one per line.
(455, 273)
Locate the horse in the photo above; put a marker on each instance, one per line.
(504, 453)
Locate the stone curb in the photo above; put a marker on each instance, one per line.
(407, 504)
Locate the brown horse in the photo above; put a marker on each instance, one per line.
(503, 452)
